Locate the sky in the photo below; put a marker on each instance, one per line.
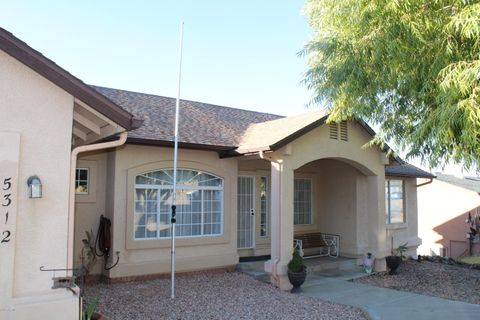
(241, 54)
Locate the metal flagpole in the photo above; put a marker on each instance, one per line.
(175, 153)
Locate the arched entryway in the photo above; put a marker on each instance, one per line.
(350, 190)
(331, 197)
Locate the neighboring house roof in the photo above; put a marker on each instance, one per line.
(202, 125)
(469, 183)
(77, 88)
(213, 127)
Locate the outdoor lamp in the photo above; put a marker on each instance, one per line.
(34, 187)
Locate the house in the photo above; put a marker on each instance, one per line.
(248, 182)
(447, 209)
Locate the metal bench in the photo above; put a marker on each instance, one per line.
(328, 244)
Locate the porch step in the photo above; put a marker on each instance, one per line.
(343, 268)
(334, 267)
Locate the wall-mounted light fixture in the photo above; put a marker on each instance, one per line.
(34, 187)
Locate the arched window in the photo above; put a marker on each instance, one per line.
(199, 204)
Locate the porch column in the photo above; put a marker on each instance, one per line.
(376, 220)
(282, 223)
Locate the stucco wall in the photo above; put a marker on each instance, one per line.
(42, 114)
(89, 207)
(337, 206)
(406, 232)
(153, 256)
(442, 210)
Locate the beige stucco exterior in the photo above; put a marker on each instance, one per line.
(348, 187)
(41, 114)
(349, 191)
(407, 232)
(143, 257)
(317, 145)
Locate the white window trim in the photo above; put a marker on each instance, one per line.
(311, 201)
(88, 181)
(396, 225)
(159, 188)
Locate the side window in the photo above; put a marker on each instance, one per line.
(82, 176)
(394, 201)
(302, 201)
(264, 210)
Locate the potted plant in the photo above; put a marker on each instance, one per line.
(394, 261)
(88, 312)
(297, 271)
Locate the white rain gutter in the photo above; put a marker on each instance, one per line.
(71, 201)
(275, 262)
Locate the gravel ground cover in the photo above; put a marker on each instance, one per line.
(431, 278)
(211, 296)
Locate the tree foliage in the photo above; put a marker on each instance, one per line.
(410, 66)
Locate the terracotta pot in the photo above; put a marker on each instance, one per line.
(393, 262)
(297, 279)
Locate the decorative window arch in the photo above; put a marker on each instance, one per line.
(199, 204)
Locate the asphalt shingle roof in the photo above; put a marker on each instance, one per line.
(219, 127)
(406, 170)
(269, 133)
(201, 123)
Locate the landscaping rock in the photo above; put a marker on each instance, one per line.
(211, 296)
(433, 276)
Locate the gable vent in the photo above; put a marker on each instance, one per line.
(344, 131)
(334, 131)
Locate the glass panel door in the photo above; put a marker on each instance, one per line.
(246, 212)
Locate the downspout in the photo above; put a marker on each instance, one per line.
(71, 201)
(274, 266)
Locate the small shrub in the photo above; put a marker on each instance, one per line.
(296, 263)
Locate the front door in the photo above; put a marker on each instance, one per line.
(246, 212)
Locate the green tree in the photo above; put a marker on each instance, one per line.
(410, 66)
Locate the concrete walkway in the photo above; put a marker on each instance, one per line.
(381, 303)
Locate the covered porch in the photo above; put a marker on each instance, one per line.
(330, 208)
(347, 201)
(321, 179)
(332, 195)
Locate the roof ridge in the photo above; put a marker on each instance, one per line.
(187, 100)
